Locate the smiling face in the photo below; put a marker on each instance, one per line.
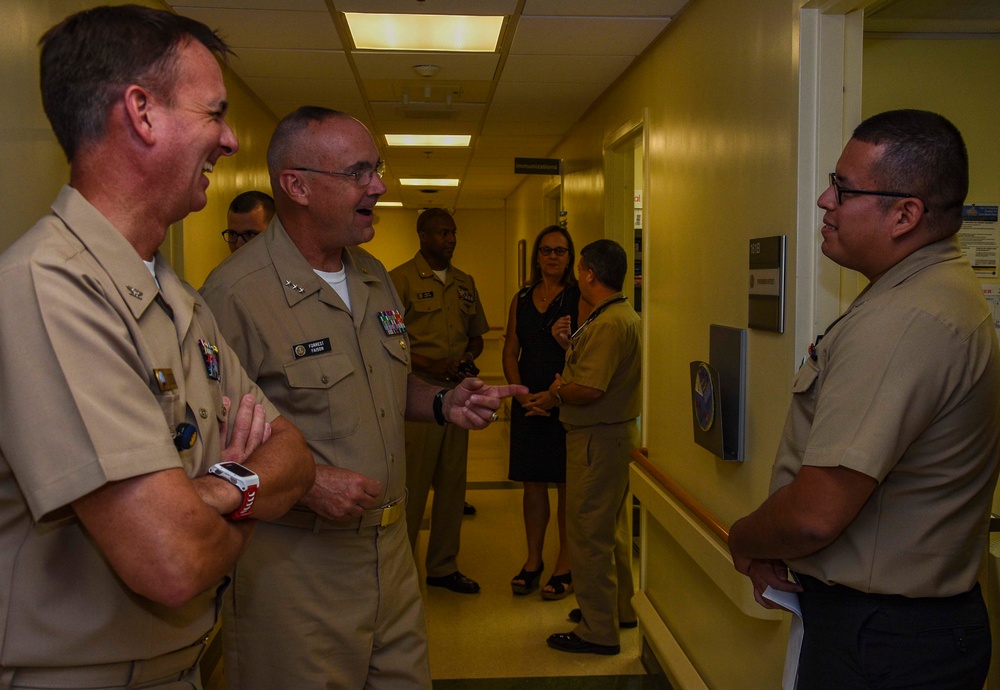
(342, 205)
(192, 131)
(856, 232)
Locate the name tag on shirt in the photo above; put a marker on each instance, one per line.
(313, 347)
(425, 295)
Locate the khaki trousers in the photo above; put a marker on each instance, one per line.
(337, 608)
(598, 527)
(437, 456)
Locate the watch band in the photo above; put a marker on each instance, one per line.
(243, 479)
(438, 407)
(556, 395)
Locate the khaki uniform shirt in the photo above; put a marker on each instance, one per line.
(606, 354)
(905, 388)
(440, 317)
(339, 375)
(81, 350)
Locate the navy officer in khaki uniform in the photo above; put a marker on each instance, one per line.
(328, 596)
(446, 324)
(599, 398)
(118, 522)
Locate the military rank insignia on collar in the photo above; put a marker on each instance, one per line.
(392, 322)
(313, 347)
(210, 353)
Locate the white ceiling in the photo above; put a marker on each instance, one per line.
(555, 58)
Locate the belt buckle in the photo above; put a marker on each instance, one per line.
(391, 513)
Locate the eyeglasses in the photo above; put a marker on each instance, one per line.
(558, 251)
(841, 191)
(361, 177)
(234, 236)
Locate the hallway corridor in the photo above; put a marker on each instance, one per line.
(495, 640)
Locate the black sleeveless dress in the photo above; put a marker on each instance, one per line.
(538, 444)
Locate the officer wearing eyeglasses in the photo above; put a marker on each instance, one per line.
(882, 483)
(330, 599)
(248, 216)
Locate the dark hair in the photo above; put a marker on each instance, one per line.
(248, 201)
(91, 57)
(285, 140)
(924, 155)
(429, 215)
(607, 260)
(568, 277)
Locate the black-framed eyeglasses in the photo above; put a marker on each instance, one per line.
(558, 251)
(362, 177)
(234, 236)
(841, 191)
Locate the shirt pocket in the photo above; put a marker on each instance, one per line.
(428, 304)
(399, 361)
(322, 396)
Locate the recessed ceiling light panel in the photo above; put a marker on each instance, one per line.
(442, 33)
(428, 182)
(433, 140)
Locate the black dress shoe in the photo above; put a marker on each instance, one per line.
(571, 642)
(576, 615)
(469, 509)
(456, 582)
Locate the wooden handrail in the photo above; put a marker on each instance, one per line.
(641, 457)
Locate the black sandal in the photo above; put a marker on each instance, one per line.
(529, 580)
(561, 586)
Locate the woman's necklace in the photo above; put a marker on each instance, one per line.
(545, 298)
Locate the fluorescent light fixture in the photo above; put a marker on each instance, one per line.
(428, 182)
(389, 204)
(428, 139)
(430, 32)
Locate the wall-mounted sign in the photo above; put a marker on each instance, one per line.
(767, 284)
(537, 166)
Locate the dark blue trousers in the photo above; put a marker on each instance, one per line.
(853, 640)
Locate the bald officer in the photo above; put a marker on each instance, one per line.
(446, 324)
(115, 541)
(599, 398)
(327, 596)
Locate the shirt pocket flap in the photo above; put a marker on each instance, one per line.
(397, 349)
(322, 371)
(806, 376)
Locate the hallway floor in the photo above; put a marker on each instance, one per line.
(495, 640)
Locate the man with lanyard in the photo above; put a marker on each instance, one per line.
(118, 522)
(328, 596)
(882, 483)
(446, 323)
(599, 398)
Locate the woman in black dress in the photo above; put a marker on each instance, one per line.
(533, 357)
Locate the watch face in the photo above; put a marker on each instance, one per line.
(238, 469)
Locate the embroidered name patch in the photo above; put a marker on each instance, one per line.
(313, 347)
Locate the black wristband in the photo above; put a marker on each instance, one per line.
(439, 406)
